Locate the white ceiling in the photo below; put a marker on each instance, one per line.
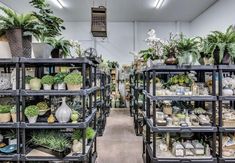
(123, 10)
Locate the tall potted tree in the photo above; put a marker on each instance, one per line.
(49, 27)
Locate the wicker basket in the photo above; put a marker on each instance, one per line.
(15, 40)
(228, 123)
(27, 46)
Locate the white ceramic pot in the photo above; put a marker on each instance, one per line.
(227, 92)
(63, 113)
(5, 51)
(12, 141)
(47, 87)
(27, 86)
(32, 119)
(42, 50)
(61, 86)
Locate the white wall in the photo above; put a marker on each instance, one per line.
(121, 39)
(217, 17)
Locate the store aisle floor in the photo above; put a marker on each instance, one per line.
(119, 144)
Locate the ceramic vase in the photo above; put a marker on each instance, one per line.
(74, 117)
(35, 84)
(32, 119)
(63, 113)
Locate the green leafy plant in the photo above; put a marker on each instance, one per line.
(170, 48)
(49, 25)
(148, 54)
(42, 106)
(12, 20)
(5, 108)
(13, 109)
(77, 134)
(223, 42)
(186, 47)
(73, 78)
(179, 79)
(48, 79)
(112, 64)
(31, 111)
(90, 133)
(54, 140)
(27, 79)
(61, 44)
(10, 134)
(59, 78)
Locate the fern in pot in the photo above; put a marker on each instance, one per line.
(187, 50)
(59, 81)
(47, 82)
(61, 47)
(205, 54)
(222, 45)
(73, 81)
(32, 113)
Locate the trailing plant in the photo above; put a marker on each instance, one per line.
(31, 111)
(59, 78)
(61, 44)
(186, 47)
(27, 79)
(42, 106)
(73, 78)
(5, 109)
(48, 79)
(224, 42)
(54, 140)
(49, 25)
(12, 20)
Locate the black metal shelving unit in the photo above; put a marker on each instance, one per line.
(152, 129)
(131, 81)
(7, 65)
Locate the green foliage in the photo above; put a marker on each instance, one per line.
(112, 64)
(77, 134)
(12, 20)
(48, 79)
(31, 111)
(148, 54)
(13, 109)
(5, 108)
(10, 134)
(62, 44)
(204, 48)
(59, 78)
(170, 49)
(179, 79)
(27, 79)
(73, 78)
(222, 42)
(42, 106)
(49, 25)
(51, 139)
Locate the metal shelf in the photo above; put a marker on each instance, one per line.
(9, 61)
(226, 129)
(10, 125)
(180, 129)
(226, 67)
(227, 98)
(226, 160)
(9, 92)
(178, 159)
(13, 157)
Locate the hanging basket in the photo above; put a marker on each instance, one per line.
(27, 46)
(15, 40)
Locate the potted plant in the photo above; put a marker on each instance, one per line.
(35, 84)
(5, 115)
(49, 26)
(148, 55)
(42, 108)
(205, 52)
(11, 136)
(47, 82)
(90, 134)
(222, 45)
(32, 113)
(170, 51)
(27, 82)
(13, 114)
(52, 142)
(187, 50)
(61, 47)
(59, 80)
(73, 81)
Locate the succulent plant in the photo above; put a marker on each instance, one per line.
(48, 79)
(31, 111)
(73, 78)
(42, 106)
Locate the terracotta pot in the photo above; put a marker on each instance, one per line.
(15, 39)
(74, 87)
(5, 117)
(171, 60)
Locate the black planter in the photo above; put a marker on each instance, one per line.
(226, 58)
(216, 56)
(55, 53)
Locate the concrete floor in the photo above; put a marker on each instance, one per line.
(119, 144)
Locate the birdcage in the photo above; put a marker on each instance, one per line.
(99, 21)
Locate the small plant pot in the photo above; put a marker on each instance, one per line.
(5, 117)
(32, 119)
(73, 87)
(42, 50)
(13, 117)
(47, 87)
(35, 84)
(12, 141)
(61, 86)
(27, 86)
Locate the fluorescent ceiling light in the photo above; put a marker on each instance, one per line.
(159, 3)
(58, 3)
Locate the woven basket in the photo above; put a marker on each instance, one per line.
(228, 123)
(27, 46)
(15, 40)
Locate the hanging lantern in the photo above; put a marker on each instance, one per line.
(99, 21)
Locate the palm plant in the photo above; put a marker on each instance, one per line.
(222, 45)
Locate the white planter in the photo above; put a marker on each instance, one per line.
(42, 50)
(27, 86)
(32, 119)
(47, 87)
(61, 86)
(227, 92)
(5, 51)
(158, 62)
(12, 141)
